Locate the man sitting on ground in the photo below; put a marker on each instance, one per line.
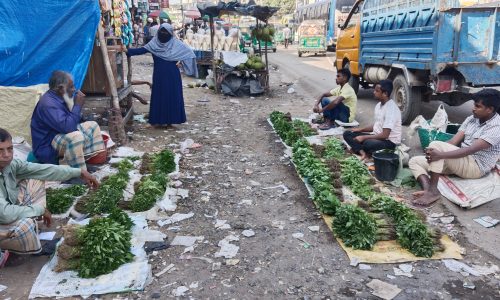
(479, 151)
(342, 107)
(22, 197)
(56, 130)
(385, 133)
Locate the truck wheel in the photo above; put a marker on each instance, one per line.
(407, 98)
(354, 80)
(300, 54)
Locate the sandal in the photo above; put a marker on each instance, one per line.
(325, 126)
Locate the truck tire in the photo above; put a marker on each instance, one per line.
(407, 98)
(354, 80)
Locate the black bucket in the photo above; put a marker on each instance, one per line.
(386, 165)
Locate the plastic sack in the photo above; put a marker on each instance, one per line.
(419, 122)
(440, 119)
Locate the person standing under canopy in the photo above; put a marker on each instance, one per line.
(167, 100)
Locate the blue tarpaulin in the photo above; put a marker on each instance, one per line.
(38, 37)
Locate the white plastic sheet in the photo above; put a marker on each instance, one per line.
(129, 277)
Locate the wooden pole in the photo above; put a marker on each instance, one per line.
(115, 101)
(214, 65)
(267, 66)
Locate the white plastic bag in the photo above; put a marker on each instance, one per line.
(440, 119)
(419, 122)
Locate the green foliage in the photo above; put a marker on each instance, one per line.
(121, 217)
(412, 233)
(356, 176)
(147, 193)
(105, 198)
(105, 247)
(164, 162)
(334, 149)
(288, 130)
(355, 227)
(285, 6)
(60, 200)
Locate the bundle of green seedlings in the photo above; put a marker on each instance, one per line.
(107, 196)
(60, 200)
(97, 248)
(333, 154)
(318, 175)
(412, 232)
(357, 177)
(288, 130)
(153, 186)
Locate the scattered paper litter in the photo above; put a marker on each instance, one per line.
(313, 228)
(487, 221)
(298, 235)
(248, 233)
(180, 291)
(47, 236)
(282, 186)
(364, 267)
(222, 224)
(165, 270)
(2, 288)
(227, 250)
(177, 217)
(383, 290)
(399, 272)
(474, 270)
(127, 152)
(278, 224)
(186, 241)
(194, 285)
(232, 262)
(245, 202)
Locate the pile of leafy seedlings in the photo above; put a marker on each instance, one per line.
(288, 130)
(60, 200)
(318, 175)
(97, 248)
(107, 196)
(153, 186)
(377, 218)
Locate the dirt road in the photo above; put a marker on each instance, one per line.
(232, 179)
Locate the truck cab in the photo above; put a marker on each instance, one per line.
(431, 49)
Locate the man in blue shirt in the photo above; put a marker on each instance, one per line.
(56, 131)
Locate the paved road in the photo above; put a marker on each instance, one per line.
(315, 74)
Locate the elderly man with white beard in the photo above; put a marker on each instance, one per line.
(56, 131)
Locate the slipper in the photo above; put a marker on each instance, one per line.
(5, 257)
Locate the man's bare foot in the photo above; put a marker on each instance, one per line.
(427, 199)
(418, 194)
(363, 154)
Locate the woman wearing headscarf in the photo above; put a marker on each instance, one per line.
(167, 101)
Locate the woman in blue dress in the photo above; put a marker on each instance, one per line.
(167, 101)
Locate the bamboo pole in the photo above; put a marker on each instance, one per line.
(267, 66)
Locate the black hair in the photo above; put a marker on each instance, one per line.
(345, 72)
(386, 87)
(58, 78)
(489, 98)
(4, 135)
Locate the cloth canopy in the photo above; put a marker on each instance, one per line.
(39, 38)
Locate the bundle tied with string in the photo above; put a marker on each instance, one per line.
(116, 129)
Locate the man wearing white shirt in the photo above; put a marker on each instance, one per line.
(385, 133)
(286, 34)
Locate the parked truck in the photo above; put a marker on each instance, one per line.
(431, 49)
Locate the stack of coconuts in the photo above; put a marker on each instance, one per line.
(254, 63)
(263, 33)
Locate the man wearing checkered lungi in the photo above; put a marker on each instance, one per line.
(56, 131)
(22, 197)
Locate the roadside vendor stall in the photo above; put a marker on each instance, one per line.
(243, 73)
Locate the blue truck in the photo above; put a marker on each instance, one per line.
(431, 49)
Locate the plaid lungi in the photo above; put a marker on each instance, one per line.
(21, 236)
(77, 146)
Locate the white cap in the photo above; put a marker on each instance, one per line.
(150, 20)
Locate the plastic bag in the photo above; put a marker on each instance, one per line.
(440, 119)
(419, 122)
